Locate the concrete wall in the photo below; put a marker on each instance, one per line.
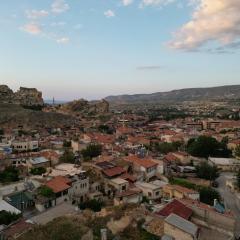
(176, 233)
(213, 218)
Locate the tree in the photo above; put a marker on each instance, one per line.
(92, 150)
(237, 151)
(67, 157)
(10, 174)
(206, 171)
(46, 191)
(38, 171)
(66, 144)
(7, 217)
(208, 194)
(1, 132)
(205, 146)
(165, 147)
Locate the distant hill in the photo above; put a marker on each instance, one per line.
(189, 94)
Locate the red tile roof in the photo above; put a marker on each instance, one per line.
(59, 184)
(177, 208)
(114, 171)
(144, 162)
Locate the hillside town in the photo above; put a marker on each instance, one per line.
(131, 175)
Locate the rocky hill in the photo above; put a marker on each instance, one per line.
(26, 107)
(27, 97)
(82, 107)
(190, 94)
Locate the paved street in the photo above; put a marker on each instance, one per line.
(229, 198)
(55, 212)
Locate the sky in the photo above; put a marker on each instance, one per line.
(72, 49)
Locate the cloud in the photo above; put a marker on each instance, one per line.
(153, 67)
(59, 6)
(127, 2)
(211, 21)
(63, 40)
(35, 14)
(32, 28)
(58, 24)
(145, 3)
(109, 13)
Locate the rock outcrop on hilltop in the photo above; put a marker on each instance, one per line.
(83, 107)
(28, 97)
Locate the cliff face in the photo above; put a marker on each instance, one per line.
(29, 97)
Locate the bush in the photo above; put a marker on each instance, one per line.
(38, 171)
(6, 217)
(94, 205)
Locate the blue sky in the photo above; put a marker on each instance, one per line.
(90, 49)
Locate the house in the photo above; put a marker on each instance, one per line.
(60, 187)
(177, 208)
(118, 185)
(16, 230)
(38, 162)
(113, 172)
(24, 145)
(79, 187)
(78, 146)
(225, 164)
(180, 228)
(8, 207)
(132, 195)
(150, 190)
(145, 165)
(179, 192)
(183, 157)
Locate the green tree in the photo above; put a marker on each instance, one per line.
(1, 132)
(66, 144)
(94, 205)
(206, 171)
(67, 157)
(208, 194)
(7, 217)
(165, 147)
(205, 146)
(10, 174)
(92, 150)
(46, 191)
(38, 171)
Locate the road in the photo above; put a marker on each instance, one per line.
(229, 198)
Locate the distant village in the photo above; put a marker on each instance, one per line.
(180, 177)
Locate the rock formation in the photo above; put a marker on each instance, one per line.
(28, 97)
(83, 107)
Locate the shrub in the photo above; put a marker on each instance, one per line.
(38, 171)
